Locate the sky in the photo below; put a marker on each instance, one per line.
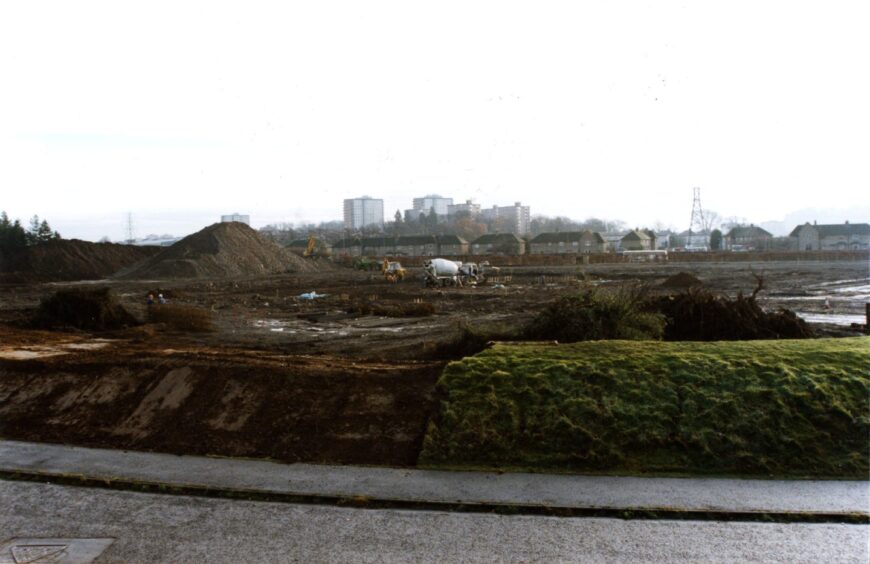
(178, 112)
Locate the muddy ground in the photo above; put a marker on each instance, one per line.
(330, 379)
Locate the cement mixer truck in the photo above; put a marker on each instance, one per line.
(443, 272)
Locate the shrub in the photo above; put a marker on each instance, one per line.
(93, 309)
(596, 315)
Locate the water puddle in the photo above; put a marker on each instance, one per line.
(831, 318)
(44, 351)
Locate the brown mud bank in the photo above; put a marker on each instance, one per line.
(293, 409)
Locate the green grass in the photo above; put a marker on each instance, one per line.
(760, 408)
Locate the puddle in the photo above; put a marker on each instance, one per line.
(29, 354)
(831, 318)
(43, 351)
(92, 346)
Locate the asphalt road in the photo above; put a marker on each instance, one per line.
(153, 527)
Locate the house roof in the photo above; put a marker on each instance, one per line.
(748, 232)
(378, 241)
(694, 233)
(835, 230)
(451, 240)
(567, 237)
(497, 239)
(416, 240)
(636, 235)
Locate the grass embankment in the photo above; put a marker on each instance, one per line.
(773, 408)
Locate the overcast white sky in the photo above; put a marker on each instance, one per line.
(181, 111)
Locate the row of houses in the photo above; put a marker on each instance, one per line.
(804, 238)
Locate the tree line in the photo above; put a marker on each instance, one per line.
(14, 237)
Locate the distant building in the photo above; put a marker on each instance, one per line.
(417, 246)
(694, 239)
(452, 245)
(424, 206)
(363, 212)
(567, 242)
(515, 218)
(468, 207)
(837, 237)
(246, 219)
(747, 237)
(498, 244)
(426, 203)
(638, 240)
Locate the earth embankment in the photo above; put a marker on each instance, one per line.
(312, 409)
(785, 408)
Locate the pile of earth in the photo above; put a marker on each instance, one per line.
(222, 250)
(700, 315)
(92, 309)
(67, 260)
(682, 280)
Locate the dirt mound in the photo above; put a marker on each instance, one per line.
(66, 260)
(699, 315)
(682, 280)
(92, 309)
(221, 250)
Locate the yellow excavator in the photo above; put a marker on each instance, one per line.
(311, 250)
(393, 271)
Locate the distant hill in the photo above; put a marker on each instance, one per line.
(221, 250)
(68, 260)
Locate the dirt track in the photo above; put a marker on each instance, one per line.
(316, 380)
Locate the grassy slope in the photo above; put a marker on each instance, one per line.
(785, 408)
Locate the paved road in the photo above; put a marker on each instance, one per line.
(164, 528)
(719, 495)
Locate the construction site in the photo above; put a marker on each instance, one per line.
(227, 344)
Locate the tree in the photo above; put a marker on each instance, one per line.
(712, 220)
(33, 231)
(44, 233)
(715, 240)
(397, 223)
(13, 237)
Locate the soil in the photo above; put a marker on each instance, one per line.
(218, 251)
(681, 280)
(221, 402)
(65, 260)
(328, 379)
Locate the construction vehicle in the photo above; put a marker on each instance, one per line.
(315, 248)
(392, 271)
(443, 272)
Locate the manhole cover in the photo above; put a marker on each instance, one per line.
(53, 551)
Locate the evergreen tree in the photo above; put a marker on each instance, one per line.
(44, 233)
(716, 240)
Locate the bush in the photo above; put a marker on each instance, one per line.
(595, 315)
(181, 317)
(93, 309)
(699, 315)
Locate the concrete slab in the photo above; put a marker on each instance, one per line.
(386, 484)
